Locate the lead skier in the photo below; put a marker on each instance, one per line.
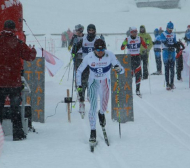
(100, 62)
(87, 45)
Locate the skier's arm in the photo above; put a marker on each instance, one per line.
(143, 43)
(116, 63)
(76, 47)
(72, 40)
(124, 44)
(80, 69)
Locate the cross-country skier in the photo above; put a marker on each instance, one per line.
(100, 62)
(133, 43)
(168, 39)
(157, 51)
(87, 45)
(77, 37)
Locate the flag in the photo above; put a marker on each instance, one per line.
(52, 63)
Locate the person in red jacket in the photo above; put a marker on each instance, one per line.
(69, 35)
(12, 50)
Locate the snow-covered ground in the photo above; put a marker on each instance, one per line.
(159, 137)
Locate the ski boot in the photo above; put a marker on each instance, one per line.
(82, 109)
(138, 92)
(92, 140)
(168, 87)
(102, 119)
(157, 73)
(172, 86)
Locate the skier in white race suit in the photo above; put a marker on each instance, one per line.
(100, 62)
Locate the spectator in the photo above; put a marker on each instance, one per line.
(69, 36)
(12, 50)
(145, 52)
(64, 39)
(157, 52)
(160, 31)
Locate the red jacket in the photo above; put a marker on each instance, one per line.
(12, 50)
(70, 34)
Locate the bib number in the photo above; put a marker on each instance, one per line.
(99, 72)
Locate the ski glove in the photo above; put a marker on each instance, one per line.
(79, 89)
(73, 55)
(117, 68)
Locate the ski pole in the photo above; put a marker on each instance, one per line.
(72, 85)
(119, 117)
(68, 73)
(68, 65)
(63, 75)
(149, 72)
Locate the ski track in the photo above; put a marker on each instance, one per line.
(166, 124)
(105, 156)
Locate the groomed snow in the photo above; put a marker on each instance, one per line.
(160, 135)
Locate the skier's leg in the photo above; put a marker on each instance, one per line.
(85, 76)
(145, 66)
(172, 69)
(93, 93)
(137, 70)
(158, 61)
(104, 98)
(76, 65)
(166, 65)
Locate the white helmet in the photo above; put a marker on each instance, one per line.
(133, 29)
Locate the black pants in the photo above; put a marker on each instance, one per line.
(169, 69)
(179, 66)
(84, 80)
(136, 68)
(15, 99)
(144, 59)
(158, 60)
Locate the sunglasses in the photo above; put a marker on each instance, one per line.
(100, 50)
(170, 29)
(134, 31)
